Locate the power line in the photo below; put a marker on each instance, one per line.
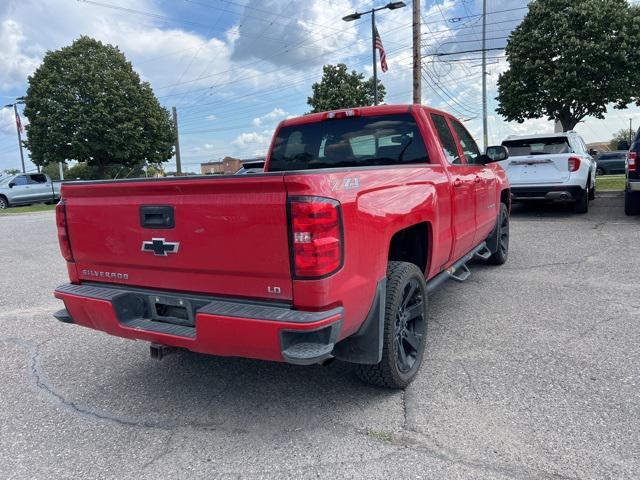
(464, 52)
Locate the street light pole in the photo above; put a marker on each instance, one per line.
(355, 16)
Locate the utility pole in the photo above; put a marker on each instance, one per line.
(485, 135)
(630, 132)
(417, 60)
(175, 124)
(61, 169)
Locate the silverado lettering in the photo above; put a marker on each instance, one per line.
(331, 252)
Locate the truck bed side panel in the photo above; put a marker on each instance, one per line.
(376, 203)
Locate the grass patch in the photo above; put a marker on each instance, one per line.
(381, 435)
(38, 207)
(610, 182)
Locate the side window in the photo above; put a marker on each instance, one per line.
(21, 180)
(468, 144)
(37, 178)
(449, 146)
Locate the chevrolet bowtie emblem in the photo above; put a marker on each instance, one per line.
(160, 247)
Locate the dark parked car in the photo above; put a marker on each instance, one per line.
(632, 184)
(251, 167)
(610, 163)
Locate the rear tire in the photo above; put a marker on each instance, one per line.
(631, 202)
(499, 257)
(600, 171)
(3, 203)
(592, 190)
(405, 329)
(582, 203)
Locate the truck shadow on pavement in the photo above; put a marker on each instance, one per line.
(121, 384)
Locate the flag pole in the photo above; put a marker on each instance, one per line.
(373, 47)
(18, 128)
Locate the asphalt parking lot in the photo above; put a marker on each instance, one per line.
(532, 372)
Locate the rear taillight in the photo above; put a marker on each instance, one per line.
(632, 161)
(63, 233)
(316, 236)
(574, 164)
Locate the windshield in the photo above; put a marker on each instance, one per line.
(349, 142)
(538, 146)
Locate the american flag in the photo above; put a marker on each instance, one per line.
(19, 123)
(383, 56)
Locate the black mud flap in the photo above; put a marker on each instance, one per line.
(365, 346)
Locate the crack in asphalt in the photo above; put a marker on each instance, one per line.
(470, 382)
(423, 443)
(407, 438)
(163, 452)
(40, 381)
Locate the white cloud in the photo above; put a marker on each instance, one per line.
(272, 116)
(249, 144)
(298, 37)
(211, 117)
(15, 62)
(7, 121)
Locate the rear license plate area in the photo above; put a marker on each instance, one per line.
(174, 310)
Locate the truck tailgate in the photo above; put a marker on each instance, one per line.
(229, 236)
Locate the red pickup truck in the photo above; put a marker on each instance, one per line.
(330, 253)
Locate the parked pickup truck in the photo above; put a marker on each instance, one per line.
(331, 252)
(554, 167)
(27, 188)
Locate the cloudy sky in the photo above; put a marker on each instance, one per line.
(234, 68)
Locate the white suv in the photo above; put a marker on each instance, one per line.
(552, 167)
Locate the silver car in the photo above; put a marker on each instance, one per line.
(27, 188)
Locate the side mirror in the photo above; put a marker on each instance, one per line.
(496, 153)
(593, 152)
(11, 184)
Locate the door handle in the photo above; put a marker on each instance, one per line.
(457, 182)
(477, 179)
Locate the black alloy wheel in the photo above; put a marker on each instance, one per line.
(501, 254)
(409, 326)
(405, 328)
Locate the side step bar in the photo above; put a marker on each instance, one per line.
(459, 270)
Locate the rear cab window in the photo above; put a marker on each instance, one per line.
(349, 142)
(538, 146)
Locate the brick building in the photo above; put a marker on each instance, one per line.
(228, 165)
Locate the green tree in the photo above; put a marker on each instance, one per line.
(620, 137)
(341, 89)
(86, 103)
(53, 170)
(569, 59)
(12, 171)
